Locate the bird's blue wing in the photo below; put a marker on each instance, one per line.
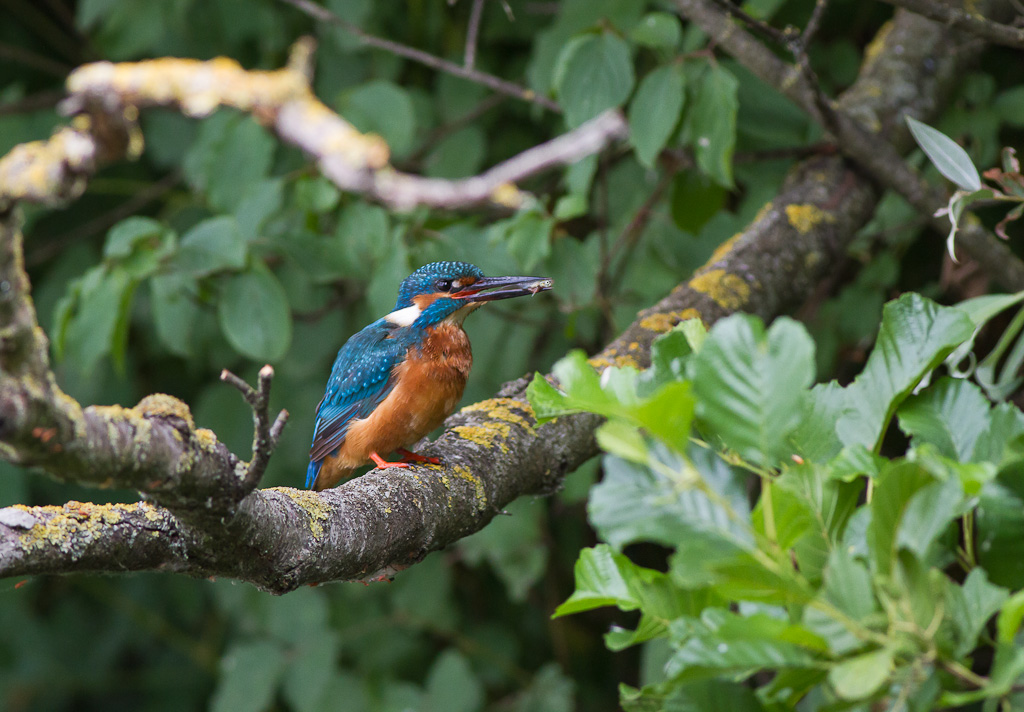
(360, 380)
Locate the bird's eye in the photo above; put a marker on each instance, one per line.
(443, 285)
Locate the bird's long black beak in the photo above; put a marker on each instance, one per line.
(504, 288)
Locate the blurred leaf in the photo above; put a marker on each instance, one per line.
(971, 606)
(254, 315)
(122, 238)
(710, 123)
(173, 301)
(513, 546)
(551, 690)
(658, 30)
(309, 671)
(750, 385)
(316, 194)
(695, 200)
(452, 686)
(654, 111)
(594, 73)
(249, 676)
(528, 237)
(860, 677)
(715, 695)
(98, 324)
(213, 245)
(383, 108)
(260, 202)
(927, 515)
(916, 336)
(951, 160)
(458, 155)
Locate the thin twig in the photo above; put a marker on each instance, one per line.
(266, 434)
(472, 32)
(442, 65)
(814, 23)
(32, 102)
(33, 60)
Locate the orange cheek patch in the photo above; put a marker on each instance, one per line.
(425, 300)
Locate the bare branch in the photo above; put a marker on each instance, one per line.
(265, 433)
(970, 21)
(472, 32)
(442, 65)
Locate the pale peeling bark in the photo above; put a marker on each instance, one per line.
(204, 518)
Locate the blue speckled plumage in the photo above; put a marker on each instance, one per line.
(365, 370)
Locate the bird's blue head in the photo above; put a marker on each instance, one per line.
(443, 290)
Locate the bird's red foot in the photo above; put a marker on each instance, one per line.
(382, 463)
(409, 456)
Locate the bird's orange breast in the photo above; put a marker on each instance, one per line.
(428, 386)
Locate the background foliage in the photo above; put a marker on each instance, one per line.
(221, 248)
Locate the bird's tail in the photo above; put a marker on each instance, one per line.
(312, 471)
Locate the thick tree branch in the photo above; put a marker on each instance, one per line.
(864, 132)
(969, 20)
(108, 97)
(282, 538)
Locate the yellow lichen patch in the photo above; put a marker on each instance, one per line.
(161, 405)
(206, 438)
(39, 169)
(75, 525)
(806, 217)
(480, 492)
(613, 358)
(504, 409)
(312, 504)
(489, 435)
(507, 195)
(660, 323)
(725, 248)
(877, 45)
(728, 290)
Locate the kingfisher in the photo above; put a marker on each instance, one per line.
(401, 376)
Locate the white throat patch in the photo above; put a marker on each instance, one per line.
(404, 317)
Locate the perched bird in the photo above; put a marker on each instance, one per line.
(401, 376)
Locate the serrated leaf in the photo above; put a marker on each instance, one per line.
(711, 123)
(951, 160)
(916, 335)
(594, 73)
(896, 485)
(654, 112)
(254, 315)
(750, 385)
(816, 437)
(213, 245)
(951, 415)
(927, 515)
(971, 605)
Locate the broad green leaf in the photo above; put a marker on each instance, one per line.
(750, 385)
(259, 203)
(458, 155)
(594, 73)
(513, 546)
(309, 671)
(213, 245)
(714, 695)
(383, 108)
(316, 194)
(927, 515)
(122, 238)
(1005, 423)
(861, 677)
(816, 438)
(999, 521)
(249, 676)
(98, 324)
(529, 238)
(658, 30)
(551, 690)
(654, 112)
(896, 486)
(363, 236)
(951, 415)
(916, 336)
(452, 686)
(951, 160)
(173, 299)
(711, 123)
(848, 585)
(254, 315)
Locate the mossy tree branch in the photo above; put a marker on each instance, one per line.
(279, 539)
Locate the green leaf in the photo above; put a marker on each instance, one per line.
(654, 112)
(714, 695)
(316, 194)
(254, 315)
(695, 200)
(816, 437)
(658, 30)
(594, 73)
(122, 238)
(999, 521)
(452, 686)
(860, 677)
(529, 238)
(951, 415)
(927, 515)
(710, 123)
(951, 160)
(897, 484)
(213, 245)
(250, 673)
(98, 324)
(750, 385)
(383, 108)
(309, 671)
(175, 310)
(259, 203)
(970, 606)
(916, 335)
